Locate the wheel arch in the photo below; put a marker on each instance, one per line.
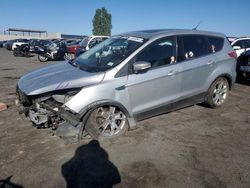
(228, 77)
(84, 113)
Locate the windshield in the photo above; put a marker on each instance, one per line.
(108, 53)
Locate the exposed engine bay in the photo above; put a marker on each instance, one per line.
(47, 111)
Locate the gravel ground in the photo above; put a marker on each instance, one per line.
(191, 147)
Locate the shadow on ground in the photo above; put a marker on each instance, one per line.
(90, 167)
(8, 184)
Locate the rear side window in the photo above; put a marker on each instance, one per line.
(216, 43)
(195, 46)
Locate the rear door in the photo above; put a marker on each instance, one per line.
(197, 63)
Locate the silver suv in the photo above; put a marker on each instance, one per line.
(127, 78)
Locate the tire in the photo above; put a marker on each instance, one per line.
(15, 53)
(218, 93)
(42, 58)
(106, 122)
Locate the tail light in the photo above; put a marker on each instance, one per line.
(232, 54)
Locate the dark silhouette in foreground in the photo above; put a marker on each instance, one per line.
(90, 168)
(8, 184)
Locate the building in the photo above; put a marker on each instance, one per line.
(15, 33)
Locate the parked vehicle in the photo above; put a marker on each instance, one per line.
(127, 78)
(2, 43)
(8, 45)
(71, 50)
(33, 43)
(19, 42)
(22, 50)
(241, 45)
(71, 41)
(89, 42)
(51, 51)
(243, 66)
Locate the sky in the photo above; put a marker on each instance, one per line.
(75, 16)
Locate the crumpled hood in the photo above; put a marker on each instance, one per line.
(57, 77)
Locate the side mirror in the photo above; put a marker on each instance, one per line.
(236, 48)
(141, 66)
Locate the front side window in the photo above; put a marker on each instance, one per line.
(160, 53)
(195, 46)
(108, 53)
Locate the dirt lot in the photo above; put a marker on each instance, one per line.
(192, 147)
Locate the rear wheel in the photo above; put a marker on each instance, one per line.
(107, 122)
(42, 58)
(218, 92)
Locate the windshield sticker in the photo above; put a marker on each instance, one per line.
(110, 64)
(136, 39)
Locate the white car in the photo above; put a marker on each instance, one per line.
(241, 45)
(89, 42)
(19, 42)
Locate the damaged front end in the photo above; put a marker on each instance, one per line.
(48, 111)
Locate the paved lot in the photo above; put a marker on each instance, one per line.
(192, 147)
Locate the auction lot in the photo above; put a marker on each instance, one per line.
(191, 147)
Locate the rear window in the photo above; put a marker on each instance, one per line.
(216, 43)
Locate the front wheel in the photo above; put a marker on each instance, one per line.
(107, 122)
(42, 58)
(218, 92)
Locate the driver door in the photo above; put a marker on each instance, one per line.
(157, 88)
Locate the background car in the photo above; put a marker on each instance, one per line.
(8, 45)
(88, 43)
(32, 43)
(2, 43)
(71, 49)
(241, 45)
(243, 66)
(19, 42)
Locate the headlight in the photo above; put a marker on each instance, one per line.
(65, 97)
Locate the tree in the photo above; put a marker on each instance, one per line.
(102, 22)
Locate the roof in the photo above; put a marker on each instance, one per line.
(148, 34)
(26, 30)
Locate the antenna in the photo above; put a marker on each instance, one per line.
(195, 28)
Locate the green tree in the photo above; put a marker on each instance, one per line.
(102, 22)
